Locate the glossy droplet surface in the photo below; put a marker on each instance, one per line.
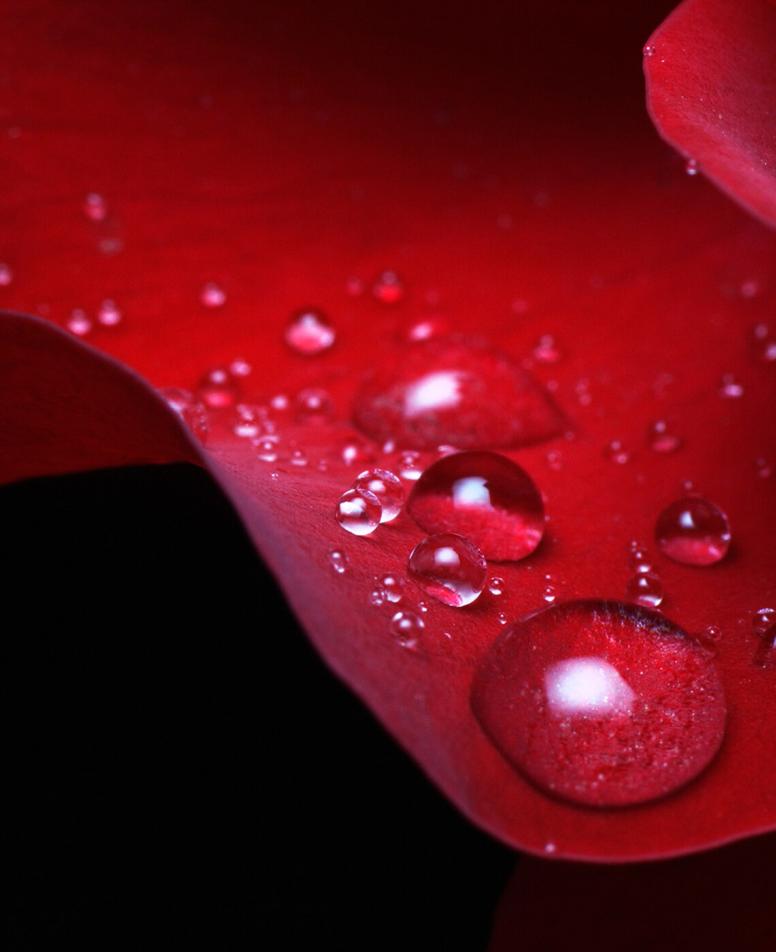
(339, 561)
(313, 405)
(601, 703)
(693, 531)
(455, 393)
(448, 567)
(645, 588)
(388, 489)
(212, 295)
(79, 323)
(392, 587)
(358, 512)
(310, 332)
(407, 627)
(6, 275)
(218, 389)
(189, 409)
(109, 314)
(485, 497)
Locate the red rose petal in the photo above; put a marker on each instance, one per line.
(281, 160)
(711, 80)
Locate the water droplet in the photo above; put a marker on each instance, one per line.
(423, 607)
(218, 389)
(356, 451)
(267, 449)
(109, 314)
(691, 167)
(549, 595)
(298, 457)
(240, 368)
(486, 498)
(310, 332)
(661, 439)
(388, 489)
(377, 597)
(313, 405)
(763, 468)
(279, 402)
(712, 633)
(693, 531)
(763, 343)
(616, 452)
(546, 350)
(339, 561)
(212, 295)
(502, 618)
(448, 567)
(95, 207)
(358, 512)
(410, 467)
(496, 585)
(639, 560)
(6, 275)
(393, 587)
(763, 620)
(601, 703)
(407, 627)
(445, 391)
(730, 388)
(645, 589)
(189, 409)
(388, 287)
(649, 51)
(79, 323)
(426, 328)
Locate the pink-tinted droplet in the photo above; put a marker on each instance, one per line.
(448, 391)
(448, 567)
(313, 405)
(358, 512)
(617, 452)
(95, 207)
(218, 389)
(730, 387)
(388, 489)
(661, 439)
(212, 295)
(427, 327)
(393, 587)
(693, 531)
(310, 332)
(485, 497)
(388, 287)
(356, 451)
(646, 589)
(546, 351)
(601, 703)
(109, 314)
(692, 167)
(6, 274)
(407, 627)
(79, 323)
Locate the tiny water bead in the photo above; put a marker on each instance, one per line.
(693, 531)
(407, 627)
(339, 561)
(764, 343)
(410, 467)
(601, 703)
(730, 387)
(648, 51)
(79, 323)
(388, 288)
(426, 328)
(218, 389)
(310, 332)
(388, 489)
(691, 167)
(267, 449)
(645, 589)
(763, 620)
(458, 393)
(298, 457)
(617, 453)
(496, 586)
(448, 567)
(313, 405)
(356, 451)
(358, 512)
(502, 618)
(95, 207)
(212, 295)
(660, 438)
(6, 274)
(189, 409)
(393, 588)
(546, 350)
(485, 497)
(109, 314)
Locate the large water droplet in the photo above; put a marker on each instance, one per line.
(450, 392)
(485, 497)
(388, 489)
(358, 512)
(693, 531)
(601, 703)
(310, 332)
(448, 567)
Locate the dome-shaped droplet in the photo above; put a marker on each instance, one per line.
(730, 387)
(339, 561)
(661, 439)
(693, 531)
(496, 586)
(310, 332)
(95, 207)
(448, 567)
(691, 167)
(79, 322)
(393, 587)
(646, 589)
(358, 512)
(218, 389)
(450, 392)
(388, 287)
(601, 703)
(6, 274)
(356, 451)
(764, 343)
(407, 627)
(486, 498)
(212, 295)
(388, 489)
(109, 314)
(425, 328)
(313, 405)
(546, 351)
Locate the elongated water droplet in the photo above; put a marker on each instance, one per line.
(310, 332)
(486, 498)
(693, 531)
(448, 567)
(388, 489)
(601, 703)
(358, 512)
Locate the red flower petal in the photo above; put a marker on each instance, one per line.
(711, 79)
(278, 160)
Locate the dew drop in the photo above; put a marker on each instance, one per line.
(616, 452)
(109, 314)
(426, 329)
(712, 633)
(601, 703)
(486, 498)
(645, 589)
(95, 207)
(388, 489)
(549, 595)
(446, 391)
(358, 512)
(763, 468)
(448, 567)
(661, 439)
(640, 561)
(313, 405)
(691, 167)
(502, 618)
(212, 295)
(388, 287)
(6, 274)
(79, 323)
(267, 449)
(339, 561)
(407, 628)
(763, 619)
(240, 368)
(764, 343)
(423, 607)
(730, 388)
(410, 466)
(279, 402)
(356, 451)
(649, 51)
(218, 389)
(693, 531)
(310, 332)
(298, 457)
(546, 350)
(393, 588)
(496, 585)
(377, 597)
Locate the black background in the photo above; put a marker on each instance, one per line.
(181, 765)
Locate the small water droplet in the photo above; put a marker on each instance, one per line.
(550, 848)
(356, 451)
(358, 512)
(502, 618)
(95, 207)
(693, 531)
(496, 585)
(549, 595)
(645, 589)
(109, 314)
(422, 607)
(393, 588)
(426, 328)
(6, 274)
(189, 409)
(616, 452)
(601, 703)
(486, 498)
(661, 439)
(448, 567)
(240, 368)
(763, 620)
(763, 343)
(267, 449)
(313, 405)
(410, 466)
(639, 560)
(388, 489)
(339, 561)
(218, 389)
(546, 350)
(212, 295)
(298, 457)
(712, 633)
(730, 388)
(407, 627)
(388, 287)
(279, 402)
(79, 323)
(310, 332)
(763, 468)
(649, 51)
(377, 597)
(691, 167)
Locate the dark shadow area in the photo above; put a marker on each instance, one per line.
(181, 765)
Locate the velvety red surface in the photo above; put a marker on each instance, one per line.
(504, 165)
(711, 80)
